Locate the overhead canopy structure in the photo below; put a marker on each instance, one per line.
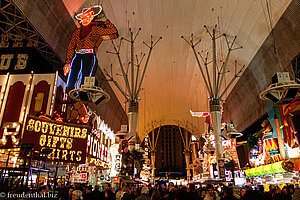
(173, 84)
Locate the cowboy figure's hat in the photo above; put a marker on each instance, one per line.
(97, 10)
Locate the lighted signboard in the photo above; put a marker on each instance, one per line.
(100, 140)
(271, 148)
(270, 144)
(80, 178)
(67, 141)
(98, 146)
(225, 143)
(229, 149)
(266, 169)
(116, 159)
(18, 56)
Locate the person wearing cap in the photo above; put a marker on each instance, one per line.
(84, 43)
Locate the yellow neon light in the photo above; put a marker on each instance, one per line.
(4, 90)
(53, 93)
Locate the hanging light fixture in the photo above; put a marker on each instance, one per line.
(229, 132)
(282, 88)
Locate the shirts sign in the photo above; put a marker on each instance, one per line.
(67, 141)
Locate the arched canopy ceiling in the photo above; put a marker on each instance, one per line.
(173, 84)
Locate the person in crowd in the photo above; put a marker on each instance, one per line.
(126, 194)
(269, 194)
(276, 194)
(181, 193)
(242, 193)
(291, 190)
(211, 193)
(135, 192)
(156, 194)
(201, 193)
(119, 193)
(285, 195)
(76, 193)
(253, 194)
(88, 193)
(144, 194)
(170, 195)
(296, 194)
(96, 192)
(71, 189)
(108, 193)
(227, 194)
(163, 190)
(192, 194)
(64, 192)
(41, 189)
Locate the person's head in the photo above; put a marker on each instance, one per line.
(210, 189)
(243, 191)
(96, 187)
(155, 194)
(76, 194)
(41, 189)
(145, 190)
(227, 191)
(203, 193)
(107, 186)
(284, 190)
(192, 187)
(89, 189)
(171, 186)
(291, 189)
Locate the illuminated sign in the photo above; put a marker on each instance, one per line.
(100, 141)
(80, 178)
(19, 55)
(225, 143)
(145, 175)
(271, 145)
(116, 160)
(146, 154)
(7, 58)
(10, 129)
(98, 146)
(102, 127)
(266, 169)
(67, 141)
(271, 149)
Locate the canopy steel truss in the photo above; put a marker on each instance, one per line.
(15, 26)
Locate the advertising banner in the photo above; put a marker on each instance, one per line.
(80, 178)
(67, 141)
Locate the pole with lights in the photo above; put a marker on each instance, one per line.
(214, 84)
(133, 81)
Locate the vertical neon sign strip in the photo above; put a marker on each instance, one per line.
(53, 93)
(27, 92)
(3, 93)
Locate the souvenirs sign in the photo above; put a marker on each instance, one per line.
(67, 141)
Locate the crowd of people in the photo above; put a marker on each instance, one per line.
(175, 192)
